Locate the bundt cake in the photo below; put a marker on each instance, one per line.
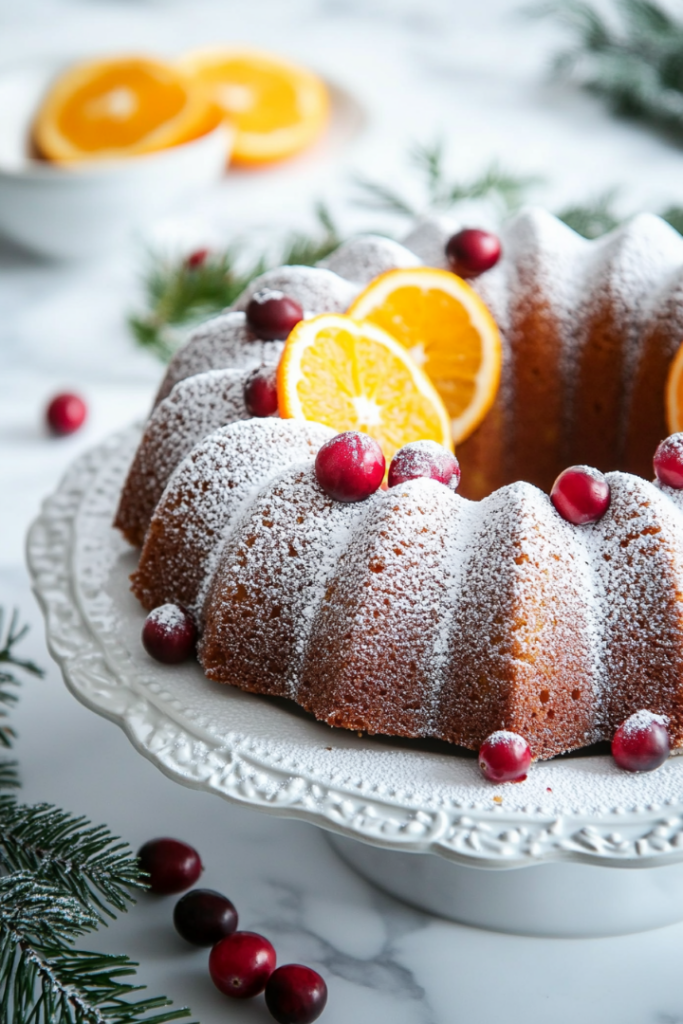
(418, 612)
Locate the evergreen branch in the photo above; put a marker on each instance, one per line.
(43, 980)
(87, 862)
(9, 639)
(637, 66)
(9, 775)
(592, 219)
(307, 250)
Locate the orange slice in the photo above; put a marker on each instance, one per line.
(674, 394)
(105, 109)
(448, 331)
(351, 375)
(277, 108)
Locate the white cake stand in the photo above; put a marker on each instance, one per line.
(597, 851)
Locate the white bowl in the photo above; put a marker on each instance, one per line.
(405, 801)
(76, 212)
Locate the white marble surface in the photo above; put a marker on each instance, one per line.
(475, 74)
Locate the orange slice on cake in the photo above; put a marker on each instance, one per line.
(674, 394)
(127, 106)
(277, 108)
(352, 375)
(449, 333)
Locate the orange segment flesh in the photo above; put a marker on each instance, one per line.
(277, 108)
(448, 331)
(674, 394)
(353, 376)
(120, 107)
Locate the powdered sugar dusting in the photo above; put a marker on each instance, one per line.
(641, 721)
(315, 289)
(168, 616)
(365, 257)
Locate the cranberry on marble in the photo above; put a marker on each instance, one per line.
(296, 994)
(581, 495)
(641, 743)
(350, 466)
(65, 414)
(504, 757)
(260, 391)
(424, 459)
(204, 917)
(668, 461)
(241, 964)
(471, 252)
(172, 865)
(272, 315)
(169, 634)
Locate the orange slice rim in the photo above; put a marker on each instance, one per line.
(121, 96)
(303, 99)
(351, 375)
(460, 349)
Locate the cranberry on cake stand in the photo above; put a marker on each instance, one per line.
(579, 848)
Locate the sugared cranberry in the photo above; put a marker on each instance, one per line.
(272, 314)
(241, 964)
(172, 865)
(641, 744)
(581, 495)
(65, 414)
(204, 917)
(668, 461)
(260, 391)
(169, 634)
(424, 459)
(196, 259)
(471, 252)
(504, 757)
(296, 994)
(350, 466)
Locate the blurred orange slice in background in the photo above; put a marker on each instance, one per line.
(354, 376)
(127, 106)
(277, 108)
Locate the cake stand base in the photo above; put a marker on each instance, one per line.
(560, 900)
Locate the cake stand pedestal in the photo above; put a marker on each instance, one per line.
(580, 848)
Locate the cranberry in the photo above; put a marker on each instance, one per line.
(505, 757)
(668, 461)
(65, 414)
(471, 252)
(296, 994)
(260, 391)
(169, 634)
(241, 964)
(197, 259)
(641, 743)
(272, 314)
(204, 917)
(350, 466)
(172, 865)
(424, 459)
(581, 495)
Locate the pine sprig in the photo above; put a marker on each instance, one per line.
(636, 65)
(86, 862)
(180, 295)
(43, 979)
(10, 637)
(592, 219)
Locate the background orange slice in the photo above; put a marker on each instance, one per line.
(448, 331)
(276, 107)
(354, 376)
(674, 394)
(121, 107)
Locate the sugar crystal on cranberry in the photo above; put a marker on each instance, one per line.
(472, 252)
(641, 743)
(668, 461)
(350, 466)
(424, 459)
(581, 495)
(169, 634)
(272, 315)
(241, 964)
(504, 757)
(296, 994)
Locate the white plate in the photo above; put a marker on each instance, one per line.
(269, 755)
